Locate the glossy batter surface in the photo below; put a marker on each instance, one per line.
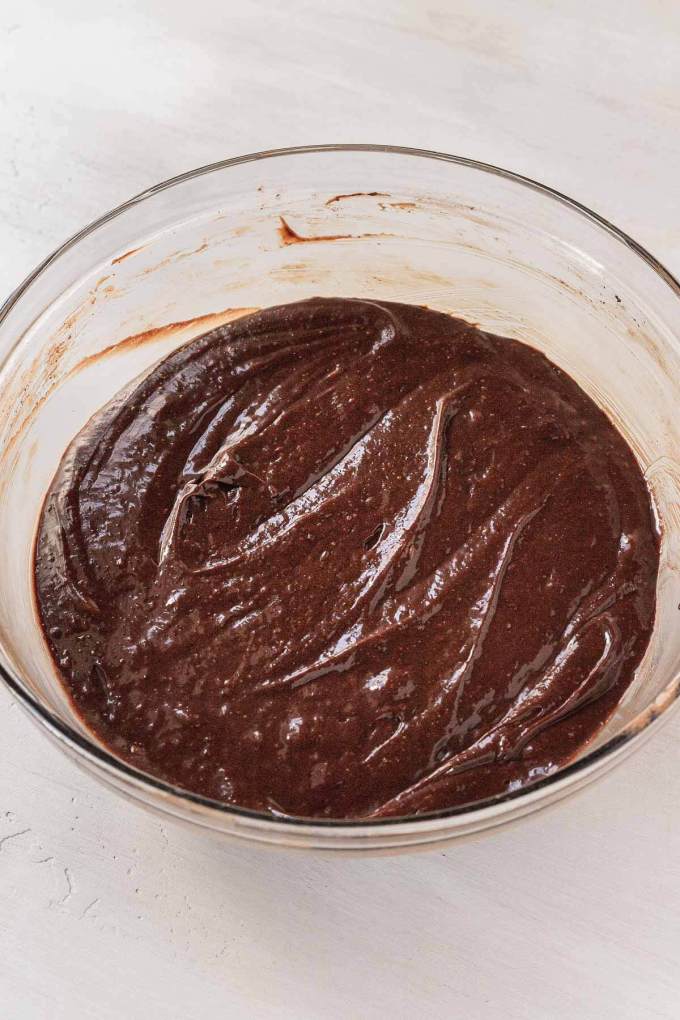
(346, 558)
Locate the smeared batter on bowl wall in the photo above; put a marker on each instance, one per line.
(348, 559)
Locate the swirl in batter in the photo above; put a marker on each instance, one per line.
(348, 559)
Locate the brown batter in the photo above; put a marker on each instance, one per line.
(348, 559)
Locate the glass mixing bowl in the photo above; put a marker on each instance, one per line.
(351, 220)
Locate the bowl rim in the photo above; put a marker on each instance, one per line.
(650, 717)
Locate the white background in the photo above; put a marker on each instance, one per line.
(104, 911)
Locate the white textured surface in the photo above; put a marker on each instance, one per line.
(106, 913)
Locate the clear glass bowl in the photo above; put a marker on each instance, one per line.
(351, 220)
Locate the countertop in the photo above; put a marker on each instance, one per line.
(107, 912)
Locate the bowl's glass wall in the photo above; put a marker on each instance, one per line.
(377, 224)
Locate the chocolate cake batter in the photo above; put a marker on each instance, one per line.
(348, 559)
